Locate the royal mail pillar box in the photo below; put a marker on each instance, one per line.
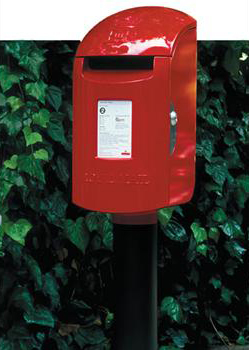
(134, 112)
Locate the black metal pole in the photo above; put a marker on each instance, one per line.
(135, 249)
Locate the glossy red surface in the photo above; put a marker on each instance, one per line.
(153, 178)
(122, 185)
(151, 31)
(183, 96)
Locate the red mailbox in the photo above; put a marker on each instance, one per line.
(134, 114)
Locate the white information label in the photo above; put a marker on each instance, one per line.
(114, 128)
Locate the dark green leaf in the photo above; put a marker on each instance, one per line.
(179, 337)
(217, 169)
(29, 56)
(34, 270)
(202, 75)
(61, 273)
(92, 221)
(11, 176)
(19, 230)
(18, 332)
(214, 234)
(232, 229)
(12, 121)
(4, 190)
(232, 157)
(54, 97)
(61, 169)
(241, 197)
(42, 117)
(6, 344)
(2, 100)
(55, 129)
(243, 181)
(230, 138)
(202, 249)
(216, 282)
(108, 234)
(171, 307)
(40, 316)
(54, 208)
(77, 233)
(51, 289)
(109, 320)
(8, 79)
(235, 249)
(208, 115)
(22, 299)
(219, 215)
(241, 340)
(175, 231)
(31, 166)
(37, 90)
(213, 187)
(226, 295)
(199, 232)
(205, 148)
(164, 215)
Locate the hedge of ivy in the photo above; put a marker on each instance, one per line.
(56, 275)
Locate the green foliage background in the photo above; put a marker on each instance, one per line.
(56, 275)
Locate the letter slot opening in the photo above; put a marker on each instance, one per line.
(120, 62)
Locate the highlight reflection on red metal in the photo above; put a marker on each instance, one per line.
(139, 31)
(153, 177)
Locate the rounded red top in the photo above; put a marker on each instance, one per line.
(148, 31)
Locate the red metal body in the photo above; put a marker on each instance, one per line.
(152, 177)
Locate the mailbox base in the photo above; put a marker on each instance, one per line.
(135, 268)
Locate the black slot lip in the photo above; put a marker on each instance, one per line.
(120, 63)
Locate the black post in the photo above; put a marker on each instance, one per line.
(135, 249)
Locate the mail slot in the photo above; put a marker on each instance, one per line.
(134, 112)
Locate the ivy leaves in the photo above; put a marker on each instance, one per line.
(54, 97)
(12, 162)
(41, 117)
(57, 255)
(37, 90)
(38, 234)
(215, 220)
(8, 79)
(77, 233)
(17, 230)
(171, 308)
(27, 106)
(31, 137)
(12, 122)
(54, 208)
(28, 55)
(217, 169)
(30, 165)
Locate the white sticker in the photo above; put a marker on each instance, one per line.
(114, 128)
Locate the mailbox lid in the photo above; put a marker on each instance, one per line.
(147, 31)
